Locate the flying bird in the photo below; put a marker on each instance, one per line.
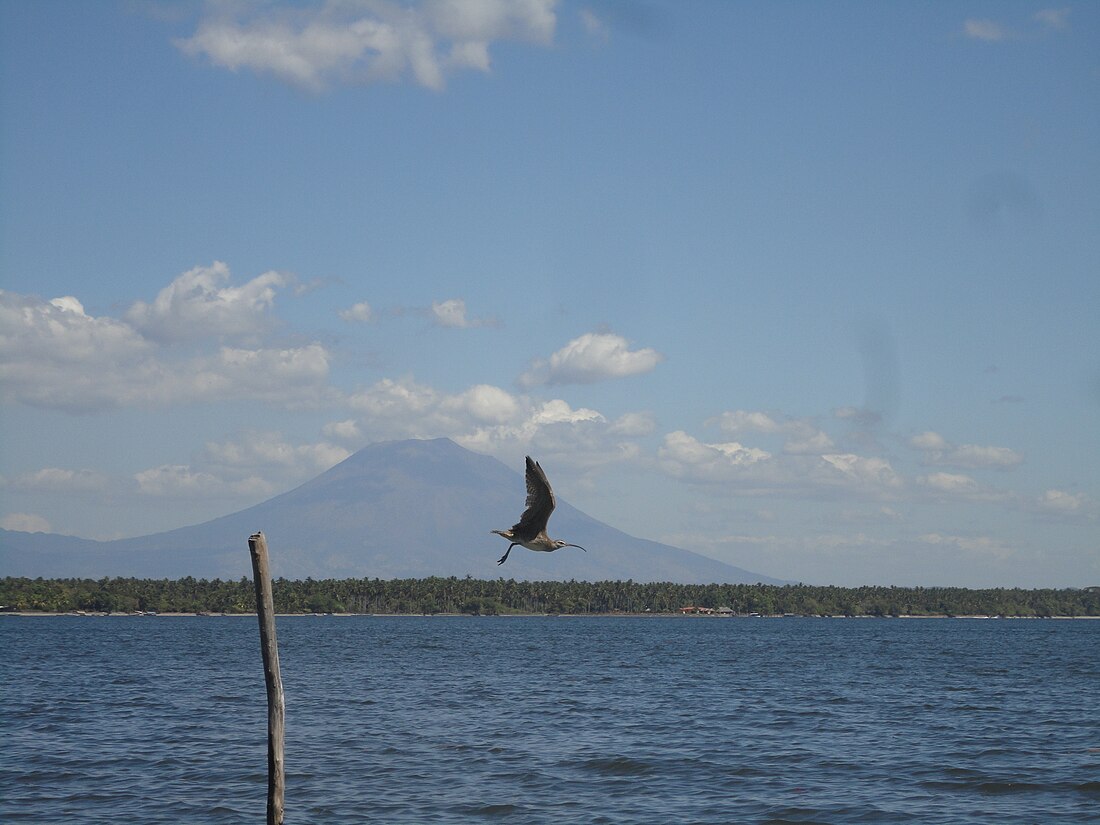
(530, 530)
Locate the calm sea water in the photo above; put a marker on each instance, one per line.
(553, 720)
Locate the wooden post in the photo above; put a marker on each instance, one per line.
(276, 708)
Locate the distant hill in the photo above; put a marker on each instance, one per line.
(399, 509)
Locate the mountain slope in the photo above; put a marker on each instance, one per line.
(392, 510)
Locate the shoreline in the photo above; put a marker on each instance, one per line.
(33, 614)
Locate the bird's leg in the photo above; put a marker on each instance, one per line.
(504, 558)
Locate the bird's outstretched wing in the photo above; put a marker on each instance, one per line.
(540, 502)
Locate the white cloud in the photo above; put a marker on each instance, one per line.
(559, 412)
(54, 355)
(988, 30)
(961, 487)
(484, 403)
(401, 402)
(59, 332)
(949, 483)
(816, 443)
(634, 424)
(742, 421)
(872, 471)
(928, 441)
(1059, 501)
(757, 472)
(200, 304)
(347, 430)
(292, 376)
(1053, 18)
(181, 481)
(939, 451)
(452, 313)
(345, 42)
(25, 523)
(405, 408)
(590, 358)
(974, 456)
(491, 420)
(267, 451)
(254, 466)
(358, 313)
(577, 437)
(178, 480)
(683, 456)
(802, 436)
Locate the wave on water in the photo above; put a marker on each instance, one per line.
(620, 721)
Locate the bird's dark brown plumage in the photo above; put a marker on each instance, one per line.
(530, 530)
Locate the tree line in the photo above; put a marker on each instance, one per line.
(499, 596)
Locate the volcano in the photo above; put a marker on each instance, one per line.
(398, 509)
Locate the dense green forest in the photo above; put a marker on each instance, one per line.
(474, 596)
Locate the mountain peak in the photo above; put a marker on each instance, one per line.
(394, 509)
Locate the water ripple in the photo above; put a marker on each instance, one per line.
(554, 720)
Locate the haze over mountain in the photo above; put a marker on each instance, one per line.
(398, 509)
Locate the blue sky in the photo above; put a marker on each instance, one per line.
(809, 288)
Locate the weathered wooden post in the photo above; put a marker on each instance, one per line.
(269, 647)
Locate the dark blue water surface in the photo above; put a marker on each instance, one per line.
(553, 720)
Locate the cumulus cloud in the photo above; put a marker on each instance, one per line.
(60, 332)
(684, 456)
(358, 313)
(870, 471)
(590, 358)
(937, 450)
(491, 420)
(316, 45)
(486, 403)
(55, 355)
(289, 376)
(578, 437)
(52, 353)
(200, 304)
(406, 408)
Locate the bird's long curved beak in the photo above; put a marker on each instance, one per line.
(576, 545)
